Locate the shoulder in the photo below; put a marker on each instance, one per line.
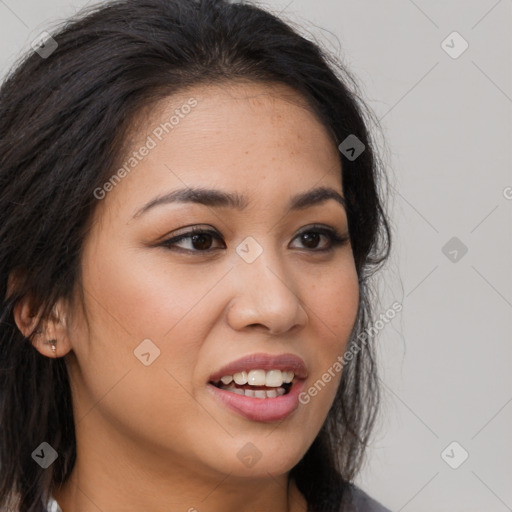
(356, 500)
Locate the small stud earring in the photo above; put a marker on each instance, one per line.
(52, 344)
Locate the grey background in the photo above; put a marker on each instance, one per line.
(446, 358)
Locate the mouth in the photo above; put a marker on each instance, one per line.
(260, 387)
(257, 383)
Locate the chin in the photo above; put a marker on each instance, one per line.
(258, 458)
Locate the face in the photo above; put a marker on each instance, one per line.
(166, 309)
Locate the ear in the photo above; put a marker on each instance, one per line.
(52, 332)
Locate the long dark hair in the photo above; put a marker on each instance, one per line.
(64, 120)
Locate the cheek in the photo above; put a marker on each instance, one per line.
(332, 306)
(332, 301)
(147, 297)
(133, 298)
(129, 301)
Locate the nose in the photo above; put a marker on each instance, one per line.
(264, 298)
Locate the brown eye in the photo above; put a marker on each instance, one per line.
(311, 238)
(200, 241)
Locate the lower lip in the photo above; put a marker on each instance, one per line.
(261, 409)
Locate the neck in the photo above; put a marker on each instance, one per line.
(79, 494)
(105, 477)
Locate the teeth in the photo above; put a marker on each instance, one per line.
(254, 393)
(240, 378)
(271, 378)
(288, 377)
(256, 378)
(274, 378)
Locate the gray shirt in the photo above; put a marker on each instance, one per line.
(358, 501)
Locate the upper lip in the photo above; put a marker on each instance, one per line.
(285, 362)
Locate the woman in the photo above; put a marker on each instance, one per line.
(190, 216)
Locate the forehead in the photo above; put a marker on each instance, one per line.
(245, 136)
(228, 113)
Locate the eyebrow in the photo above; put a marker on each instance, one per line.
(220, 199)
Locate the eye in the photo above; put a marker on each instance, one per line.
(200, 240)
(312, 235)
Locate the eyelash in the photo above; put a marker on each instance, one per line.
(333, 235)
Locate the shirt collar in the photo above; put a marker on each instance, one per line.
(53, 506)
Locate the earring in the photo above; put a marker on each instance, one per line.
(52, 344)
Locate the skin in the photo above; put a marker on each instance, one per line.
(152, 437)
